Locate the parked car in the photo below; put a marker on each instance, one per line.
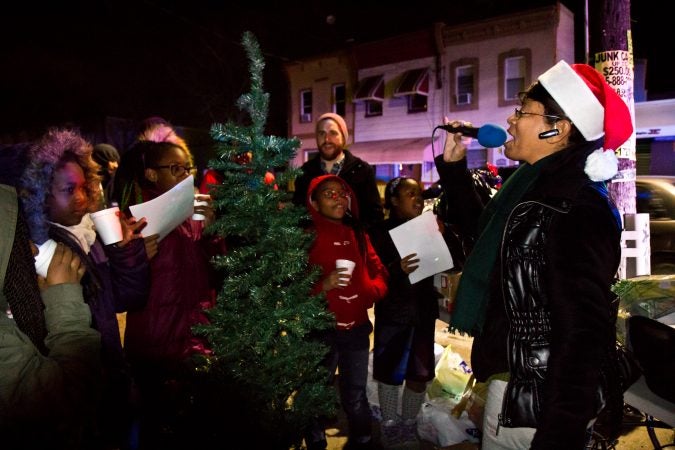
(656, 196)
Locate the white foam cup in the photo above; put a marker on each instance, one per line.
(347, 264)
(108, 225)
(44, 257)
(199, 216)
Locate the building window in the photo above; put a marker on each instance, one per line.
(464, 84)
(417, 103)
(514, 75)
(339, 99)
(373, 108)
(414, 84)
(305, 105)
(371, 92)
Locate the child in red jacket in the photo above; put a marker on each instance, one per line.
(334, 211)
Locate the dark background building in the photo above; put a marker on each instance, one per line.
(79, 62)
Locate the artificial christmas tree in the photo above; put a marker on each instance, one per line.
(265, 367)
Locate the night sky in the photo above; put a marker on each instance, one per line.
(78, 62)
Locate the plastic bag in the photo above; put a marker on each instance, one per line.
(453, 375)
(436, 424)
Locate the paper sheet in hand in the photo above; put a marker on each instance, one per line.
(166, 212)
(421, 235)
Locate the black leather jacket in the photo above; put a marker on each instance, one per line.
(548, 319)
(523, 264)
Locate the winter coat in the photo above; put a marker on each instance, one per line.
(117, 281)
(405, 303)
(180, 289)
(338, 241)
(548, 319)
(43, 399)
(358, 174)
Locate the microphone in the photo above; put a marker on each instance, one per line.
(489, 135)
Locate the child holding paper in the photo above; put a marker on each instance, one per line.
(59, 188)
(405, 321)
(159, 339)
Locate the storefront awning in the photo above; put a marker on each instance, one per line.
(655, 119)
(397, 151)
(413, 82)
(370, 88)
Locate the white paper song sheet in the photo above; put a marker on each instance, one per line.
(166, 212)
(421, 235)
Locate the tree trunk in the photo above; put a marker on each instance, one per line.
(611, 52)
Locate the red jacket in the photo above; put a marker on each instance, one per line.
(338, 241)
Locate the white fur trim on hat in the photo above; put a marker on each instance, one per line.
(576, 99)
(601, 165)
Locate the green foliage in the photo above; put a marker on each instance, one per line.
(259, 330)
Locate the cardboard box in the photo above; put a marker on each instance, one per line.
(446, 283)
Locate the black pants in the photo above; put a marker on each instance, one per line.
(349, 351)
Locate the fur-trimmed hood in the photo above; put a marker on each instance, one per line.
(43, 158)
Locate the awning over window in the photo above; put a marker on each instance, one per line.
(396, 151)
(414, 81)
(370, 88)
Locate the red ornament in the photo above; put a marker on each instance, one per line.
(243, 158)
(493, 169)
(269, 178)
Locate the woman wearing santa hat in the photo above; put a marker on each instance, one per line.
(535, 291)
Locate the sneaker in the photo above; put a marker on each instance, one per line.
(391, 432)
(409, 431)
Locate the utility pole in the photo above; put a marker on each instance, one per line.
(611, 53)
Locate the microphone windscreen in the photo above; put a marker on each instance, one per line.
(491, 135)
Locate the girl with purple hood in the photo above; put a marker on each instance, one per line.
(60, 187)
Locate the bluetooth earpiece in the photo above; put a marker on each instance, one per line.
(549, 133)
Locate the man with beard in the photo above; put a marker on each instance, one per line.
(334, 158)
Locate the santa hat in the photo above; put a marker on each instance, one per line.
(342, 125)
(595, 109)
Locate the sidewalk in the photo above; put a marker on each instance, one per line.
(634, 439)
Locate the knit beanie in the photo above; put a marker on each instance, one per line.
(103, 153)
(342, 125)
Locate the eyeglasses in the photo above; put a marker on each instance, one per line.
(520, 113)
(333, 195)
(177, 170)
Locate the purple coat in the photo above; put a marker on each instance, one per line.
(124, 274)
(117, 280)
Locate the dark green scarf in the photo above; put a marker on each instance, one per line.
(474, 287)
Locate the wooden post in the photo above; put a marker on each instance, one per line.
(611, 52)
(635, 247)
